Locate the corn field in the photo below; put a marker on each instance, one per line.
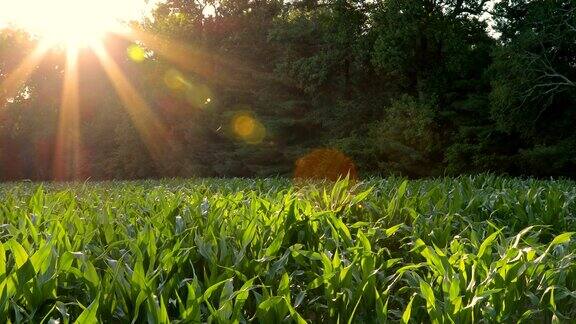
(479, 249)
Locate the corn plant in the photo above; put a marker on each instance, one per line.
(448, 250)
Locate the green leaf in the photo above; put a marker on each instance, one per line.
(41, 258)
(276, 244)
(270, 303)
(381, 308)
(89, 315)
(243, 294)
(562, 238)
(2, 261)
(361, 196)
(487, 243)
(162, 312)
(139, 276)
(428, 294)
(91, 275)
(284, 286)
(20, 255)
(208, 293)
(365, 242)
(390, 231)
(402, 189)
(408, 311)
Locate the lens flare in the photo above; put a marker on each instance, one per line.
(248, 129)
(67, 153)
(328, 164)
(136, 53)
(175, 80)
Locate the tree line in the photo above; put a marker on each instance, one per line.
(411, 87)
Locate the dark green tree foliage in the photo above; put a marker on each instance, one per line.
(436, 53)
(534, 85)
(26, 130)
(411, 87)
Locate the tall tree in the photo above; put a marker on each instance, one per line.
(534, 89)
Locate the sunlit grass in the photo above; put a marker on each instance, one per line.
(470, 249)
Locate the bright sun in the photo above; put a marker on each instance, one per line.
(70, 23)
(75, 24)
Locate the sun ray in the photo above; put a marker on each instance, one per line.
(183, 56)
(192, 59)
(150, 128)
(14, 82)
(67, 157)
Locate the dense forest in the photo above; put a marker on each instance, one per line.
(410, 87)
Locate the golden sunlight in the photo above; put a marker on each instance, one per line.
(70, 23)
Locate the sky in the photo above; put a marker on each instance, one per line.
(35, 16)
(31, 14)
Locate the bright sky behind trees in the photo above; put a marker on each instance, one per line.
(74, 23)
(39, 15)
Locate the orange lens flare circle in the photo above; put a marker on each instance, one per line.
(247, 128)
(329, 164)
